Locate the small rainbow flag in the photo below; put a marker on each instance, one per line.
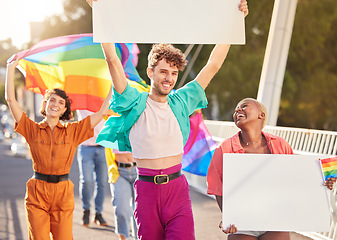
(77, 65)
(329, 166)
(199, 148)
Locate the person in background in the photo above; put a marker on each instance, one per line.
(122, 176)
(49, 200)
(250, 117)
(93, 174)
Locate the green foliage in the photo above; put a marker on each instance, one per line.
(18, 81)
(2, 93)
(142, 61)
(6, 51)
(311, 78)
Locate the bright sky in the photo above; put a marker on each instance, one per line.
(15, 16)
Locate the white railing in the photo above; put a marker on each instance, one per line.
(303, 141)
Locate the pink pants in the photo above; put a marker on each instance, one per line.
(163, 211)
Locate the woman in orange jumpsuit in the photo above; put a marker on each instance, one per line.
(49, 197)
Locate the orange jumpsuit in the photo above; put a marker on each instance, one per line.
(50, 206)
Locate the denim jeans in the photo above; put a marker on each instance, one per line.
(93, 175)
(123, 199)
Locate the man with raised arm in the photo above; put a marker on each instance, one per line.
(155, 127)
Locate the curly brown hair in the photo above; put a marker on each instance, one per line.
(67, 115)
(173, 56)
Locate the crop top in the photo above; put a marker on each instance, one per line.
(156, 134)
(130, 105)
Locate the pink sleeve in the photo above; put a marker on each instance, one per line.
(289, 149)
(214, 175)
(284, 147)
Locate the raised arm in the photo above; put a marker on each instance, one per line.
(96, 117)
(213, 64)
(217, 57)
(10, 91)
(116, 70)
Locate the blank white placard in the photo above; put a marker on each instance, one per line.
(168, 21)
(274, 192)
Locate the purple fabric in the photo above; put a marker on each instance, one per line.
(163, 211)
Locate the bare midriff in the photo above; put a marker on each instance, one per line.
(159, 163)
(124, 157)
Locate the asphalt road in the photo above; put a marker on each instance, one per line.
(15, 171)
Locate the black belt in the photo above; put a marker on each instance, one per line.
(125, 165)
(160, 179)
(51, 178)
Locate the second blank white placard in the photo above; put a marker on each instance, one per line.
(274, 192)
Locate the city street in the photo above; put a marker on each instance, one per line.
(15, 171)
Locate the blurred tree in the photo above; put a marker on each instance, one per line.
(7, 49)
(311, 75)
(75, 19)
(311, 79)
(2, 93)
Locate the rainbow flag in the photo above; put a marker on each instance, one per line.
(76, 64)
(329, 166)
(199, 147)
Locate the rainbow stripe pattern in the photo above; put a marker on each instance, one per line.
(329, 166)
(199, 147)
(77, 65)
